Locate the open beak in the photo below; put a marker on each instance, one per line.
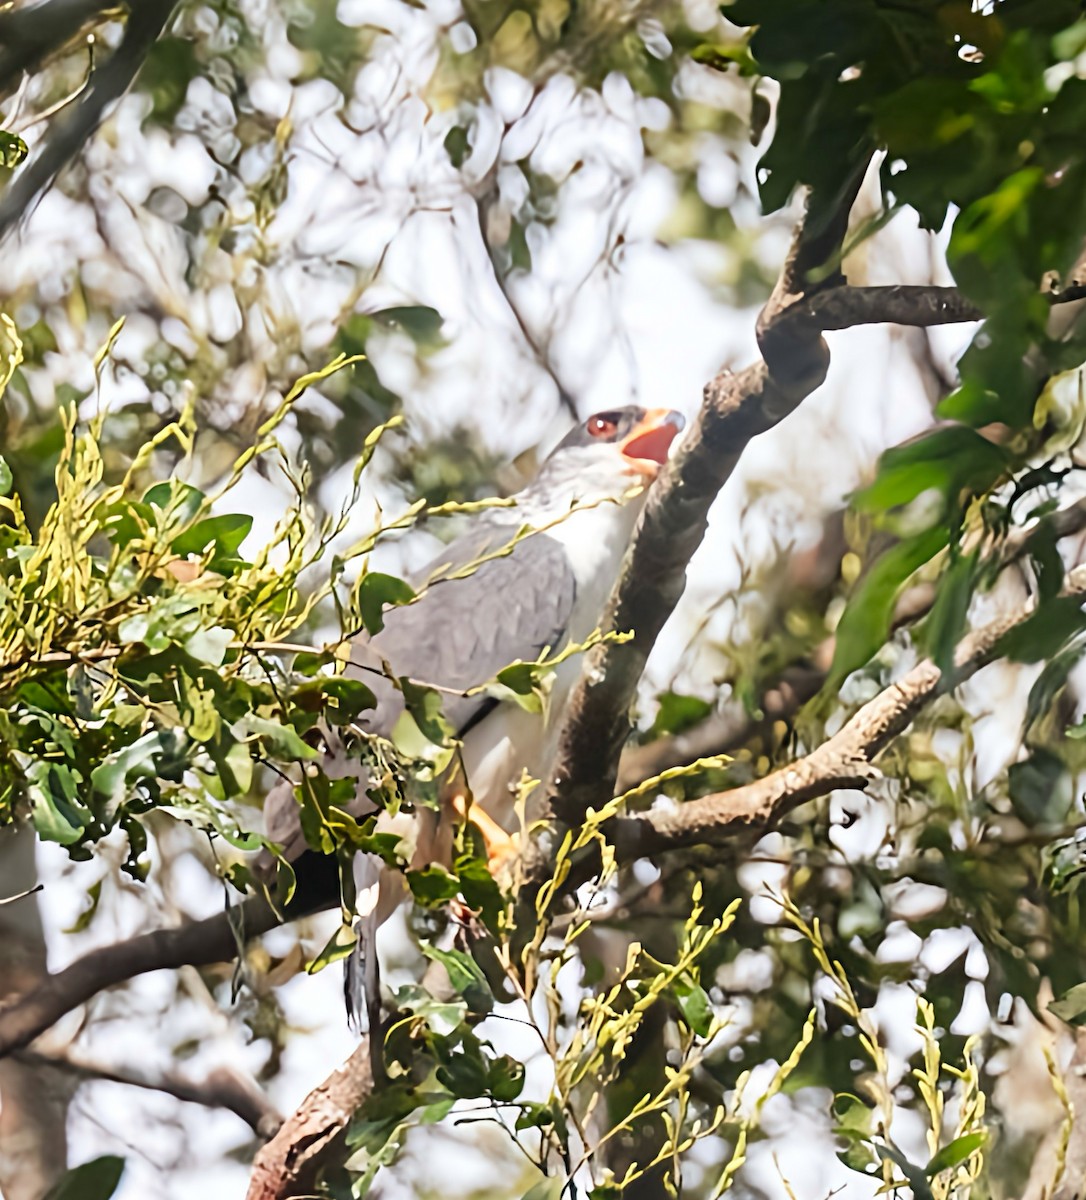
(647, 445)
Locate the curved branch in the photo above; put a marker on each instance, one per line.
(843, 761)
(735, 409)
(221, 1088)
(68, 136)
(722, 731)
(215, 939)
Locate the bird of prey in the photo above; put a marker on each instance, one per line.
(524, 580)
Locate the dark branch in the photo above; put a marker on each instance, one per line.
(904, 304)
(736, 408)
(72, 131)
(215, 939)
(222, 1087)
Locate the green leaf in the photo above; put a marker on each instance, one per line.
(1071, 1006)
(915, 1175)
(864, 626)
(222, 536)
(694, 1005)
(521, 677)
(1041, 636)
(339, 947)
(946, 622)
(505, 1078)
(534, 1115)
(155, 755)
(424, 705)
(1051, 681)
(94, 894)
(57, 812)
(432, 885)
(946, 461)
(442, 1017)
(5, 478)
(480, 889)
(94, 1180)
(210, 645)
(465, 1075)
(279, 739)
(852, 1116)
(12, 149)
(465, 976)
(955, 1152)
(181, 500)
(677, 712)
(340, 699)
(375, 591)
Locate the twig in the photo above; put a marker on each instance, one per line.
(222, 1087)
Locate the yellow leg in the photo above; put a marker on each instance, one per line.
(500, 846)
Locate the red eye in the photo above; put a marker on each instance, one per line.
(601, 426)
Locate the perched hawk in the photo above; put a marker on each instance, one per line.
(492, 597)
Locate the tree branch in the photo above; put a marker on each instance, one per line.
(215, 939)
(736, 408)
(314, 1136)
(68, 136)
(29, 35)
(222, 1087)
(843, 761)
(902, 304)
(724, 730)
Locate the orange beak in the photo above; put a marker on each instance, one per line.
(647, 445)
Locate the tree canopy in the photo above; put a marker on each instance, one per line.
(287, 290)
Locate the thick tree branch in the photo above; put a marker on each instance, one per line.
(904, 304)
(71, 132)
(221, 1088)
(314, 1136)
(736, 408)
(215, 939)
(843, 761)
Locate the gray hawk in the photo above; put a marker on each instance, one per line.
(482, 606)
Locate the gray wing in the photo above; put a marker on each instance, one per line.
(463, 630)
(459, 634)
